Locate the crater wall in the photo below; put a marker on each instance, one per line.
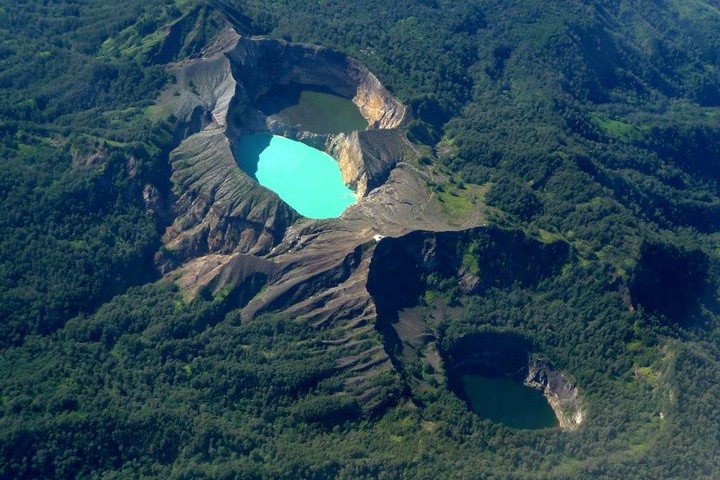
(218, 208)
(259, 64)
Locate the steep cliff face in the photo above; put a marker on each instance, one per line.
(366, 158)
(345, 148)
(376, 104)
(562, 394)
(218, 209)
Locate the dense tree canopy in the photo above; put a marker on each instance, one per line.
(594, 124)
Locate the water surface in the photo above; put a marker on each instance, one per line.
(311, 108)
(508, 402)
(305, 178)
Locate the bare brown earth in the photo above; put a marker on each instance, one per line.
(232, 237)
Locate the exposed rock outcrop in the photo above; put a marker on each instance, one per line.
(561, 393)
(366, 157)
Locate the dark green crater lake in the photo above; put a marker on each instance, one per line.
(311, 108)
(508, 402)
(487, 369)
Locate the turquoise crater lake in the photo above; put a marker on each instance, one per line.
(305, 178)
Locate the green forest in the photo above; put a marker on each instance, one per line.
(595, 126)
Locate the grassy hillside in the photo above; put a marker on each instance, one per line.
(595, 124)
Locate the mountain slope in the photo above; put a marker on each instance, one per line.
(585, 133)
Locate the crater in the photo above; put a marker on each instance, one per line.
(507, 401)
(304, 177)
(320, 98)
(221, 99)
(500, 377)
